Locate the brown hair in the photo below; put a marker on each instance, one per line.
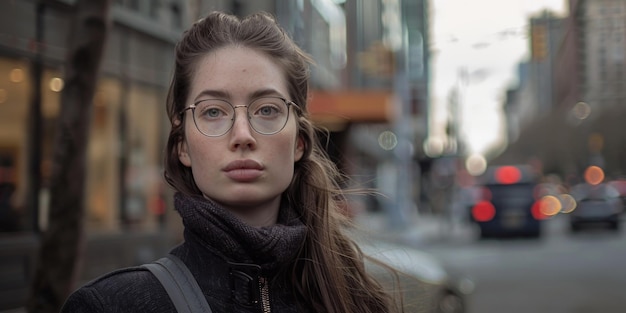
(329, 272)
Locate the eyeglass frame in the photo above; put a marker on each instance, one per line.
(193, 107)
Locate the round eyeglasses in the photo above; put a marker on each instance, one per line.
(215, 117)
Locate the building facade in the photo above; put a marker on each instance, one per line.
(128, 126)
(604, 27)
(575, 88)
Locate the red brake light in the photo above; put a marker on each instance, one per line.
(536, 211)
(483, 211)
(508, 175)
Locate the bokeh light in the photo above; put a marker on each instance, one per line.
(508, 174)
(56, 84)
(568, 203)
(476, 164)
(483, 211)
(581, 110)
(550, 205)
(433, 147)
(387, 140)
(594, 175)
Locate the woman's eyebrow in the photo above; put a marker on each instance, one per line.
(265, 92)
(221, 94)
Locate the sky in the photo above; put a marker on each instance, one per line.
(486, 40)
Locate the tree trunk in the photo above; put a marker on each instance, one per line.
(59, 253)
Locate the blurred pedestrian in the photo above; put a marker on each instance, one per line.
(9, 219)
(257, 195)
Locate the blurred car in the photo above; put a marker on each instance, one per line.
(620, 186)
(596, 205)
(507, 206)
(426, 285)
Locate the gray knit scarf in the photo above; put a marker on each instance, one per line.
(220, 231)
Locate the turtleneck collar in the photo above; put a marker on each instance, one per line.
(221, 232)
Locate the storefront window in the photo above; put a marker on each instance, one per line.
(124, 181)
(124, 157)
(13, 109)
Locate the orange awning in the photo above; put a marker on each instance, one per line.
(332, 107)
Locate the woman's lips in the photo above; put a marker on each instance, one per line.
(243, 170)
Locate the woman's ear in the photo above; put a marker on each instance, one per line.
(299, 152)
(183, 153)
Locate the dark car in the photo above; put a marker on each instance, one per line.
(507, 206)
(596, 205)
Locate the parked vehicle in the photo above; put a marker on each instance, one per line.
(620, 186)
(597, 205)
(426, 285)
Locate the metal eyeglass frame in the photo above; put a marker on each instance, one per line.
(192, 107)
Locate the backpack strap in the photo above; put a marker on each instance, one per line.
(180, 284)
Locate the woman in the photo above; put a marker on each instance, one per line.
(257, 195)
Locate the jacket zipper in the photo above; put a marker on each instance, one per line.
(265, 295)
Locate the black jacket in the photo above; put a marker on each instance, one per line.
(239, 268)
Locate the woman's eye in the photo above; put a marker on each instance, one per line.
(267, 110)
(212, 112)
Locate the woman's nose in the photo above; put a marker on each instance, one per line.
(242, 132)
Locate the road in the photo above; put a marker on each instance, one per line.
(559, 273)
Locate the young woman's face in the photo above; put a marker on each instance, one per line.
(242, 169)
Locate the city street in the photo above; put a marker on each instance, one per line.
(559, 273)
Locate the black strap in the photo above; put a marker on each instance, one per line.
(180, 284)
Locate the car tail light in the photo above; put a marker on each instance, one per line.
(483, 211)
(536, 212)
(508, 175)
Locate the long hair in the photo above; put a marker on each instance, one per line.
(328, 273)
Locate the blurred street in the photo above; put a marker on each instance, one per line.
(561, 272)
